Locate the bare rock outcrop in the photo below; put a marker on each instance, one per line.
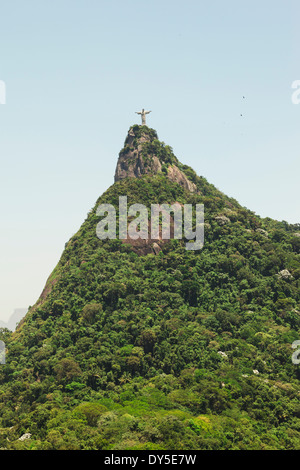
(284, 274)
(176, 175)
(136, 159)
(132, 163)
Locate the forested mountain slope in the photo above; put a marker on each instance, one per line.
(147, 345)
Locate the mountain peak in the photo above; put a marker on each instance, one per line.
(144, 154)
(139, 344)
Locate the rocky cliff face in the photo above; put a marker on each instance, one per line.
(144, 154)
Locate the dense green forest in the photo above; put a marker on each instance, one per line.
(176, 349)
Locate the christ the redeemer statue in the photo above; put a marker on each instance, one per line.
(143, 114)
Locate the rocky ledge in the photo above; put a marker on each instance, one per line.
(144, 154)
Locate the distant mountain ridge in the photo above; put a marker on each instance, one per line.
(15, 318)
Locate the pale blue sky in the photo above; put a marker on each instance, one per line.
(76, 71)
